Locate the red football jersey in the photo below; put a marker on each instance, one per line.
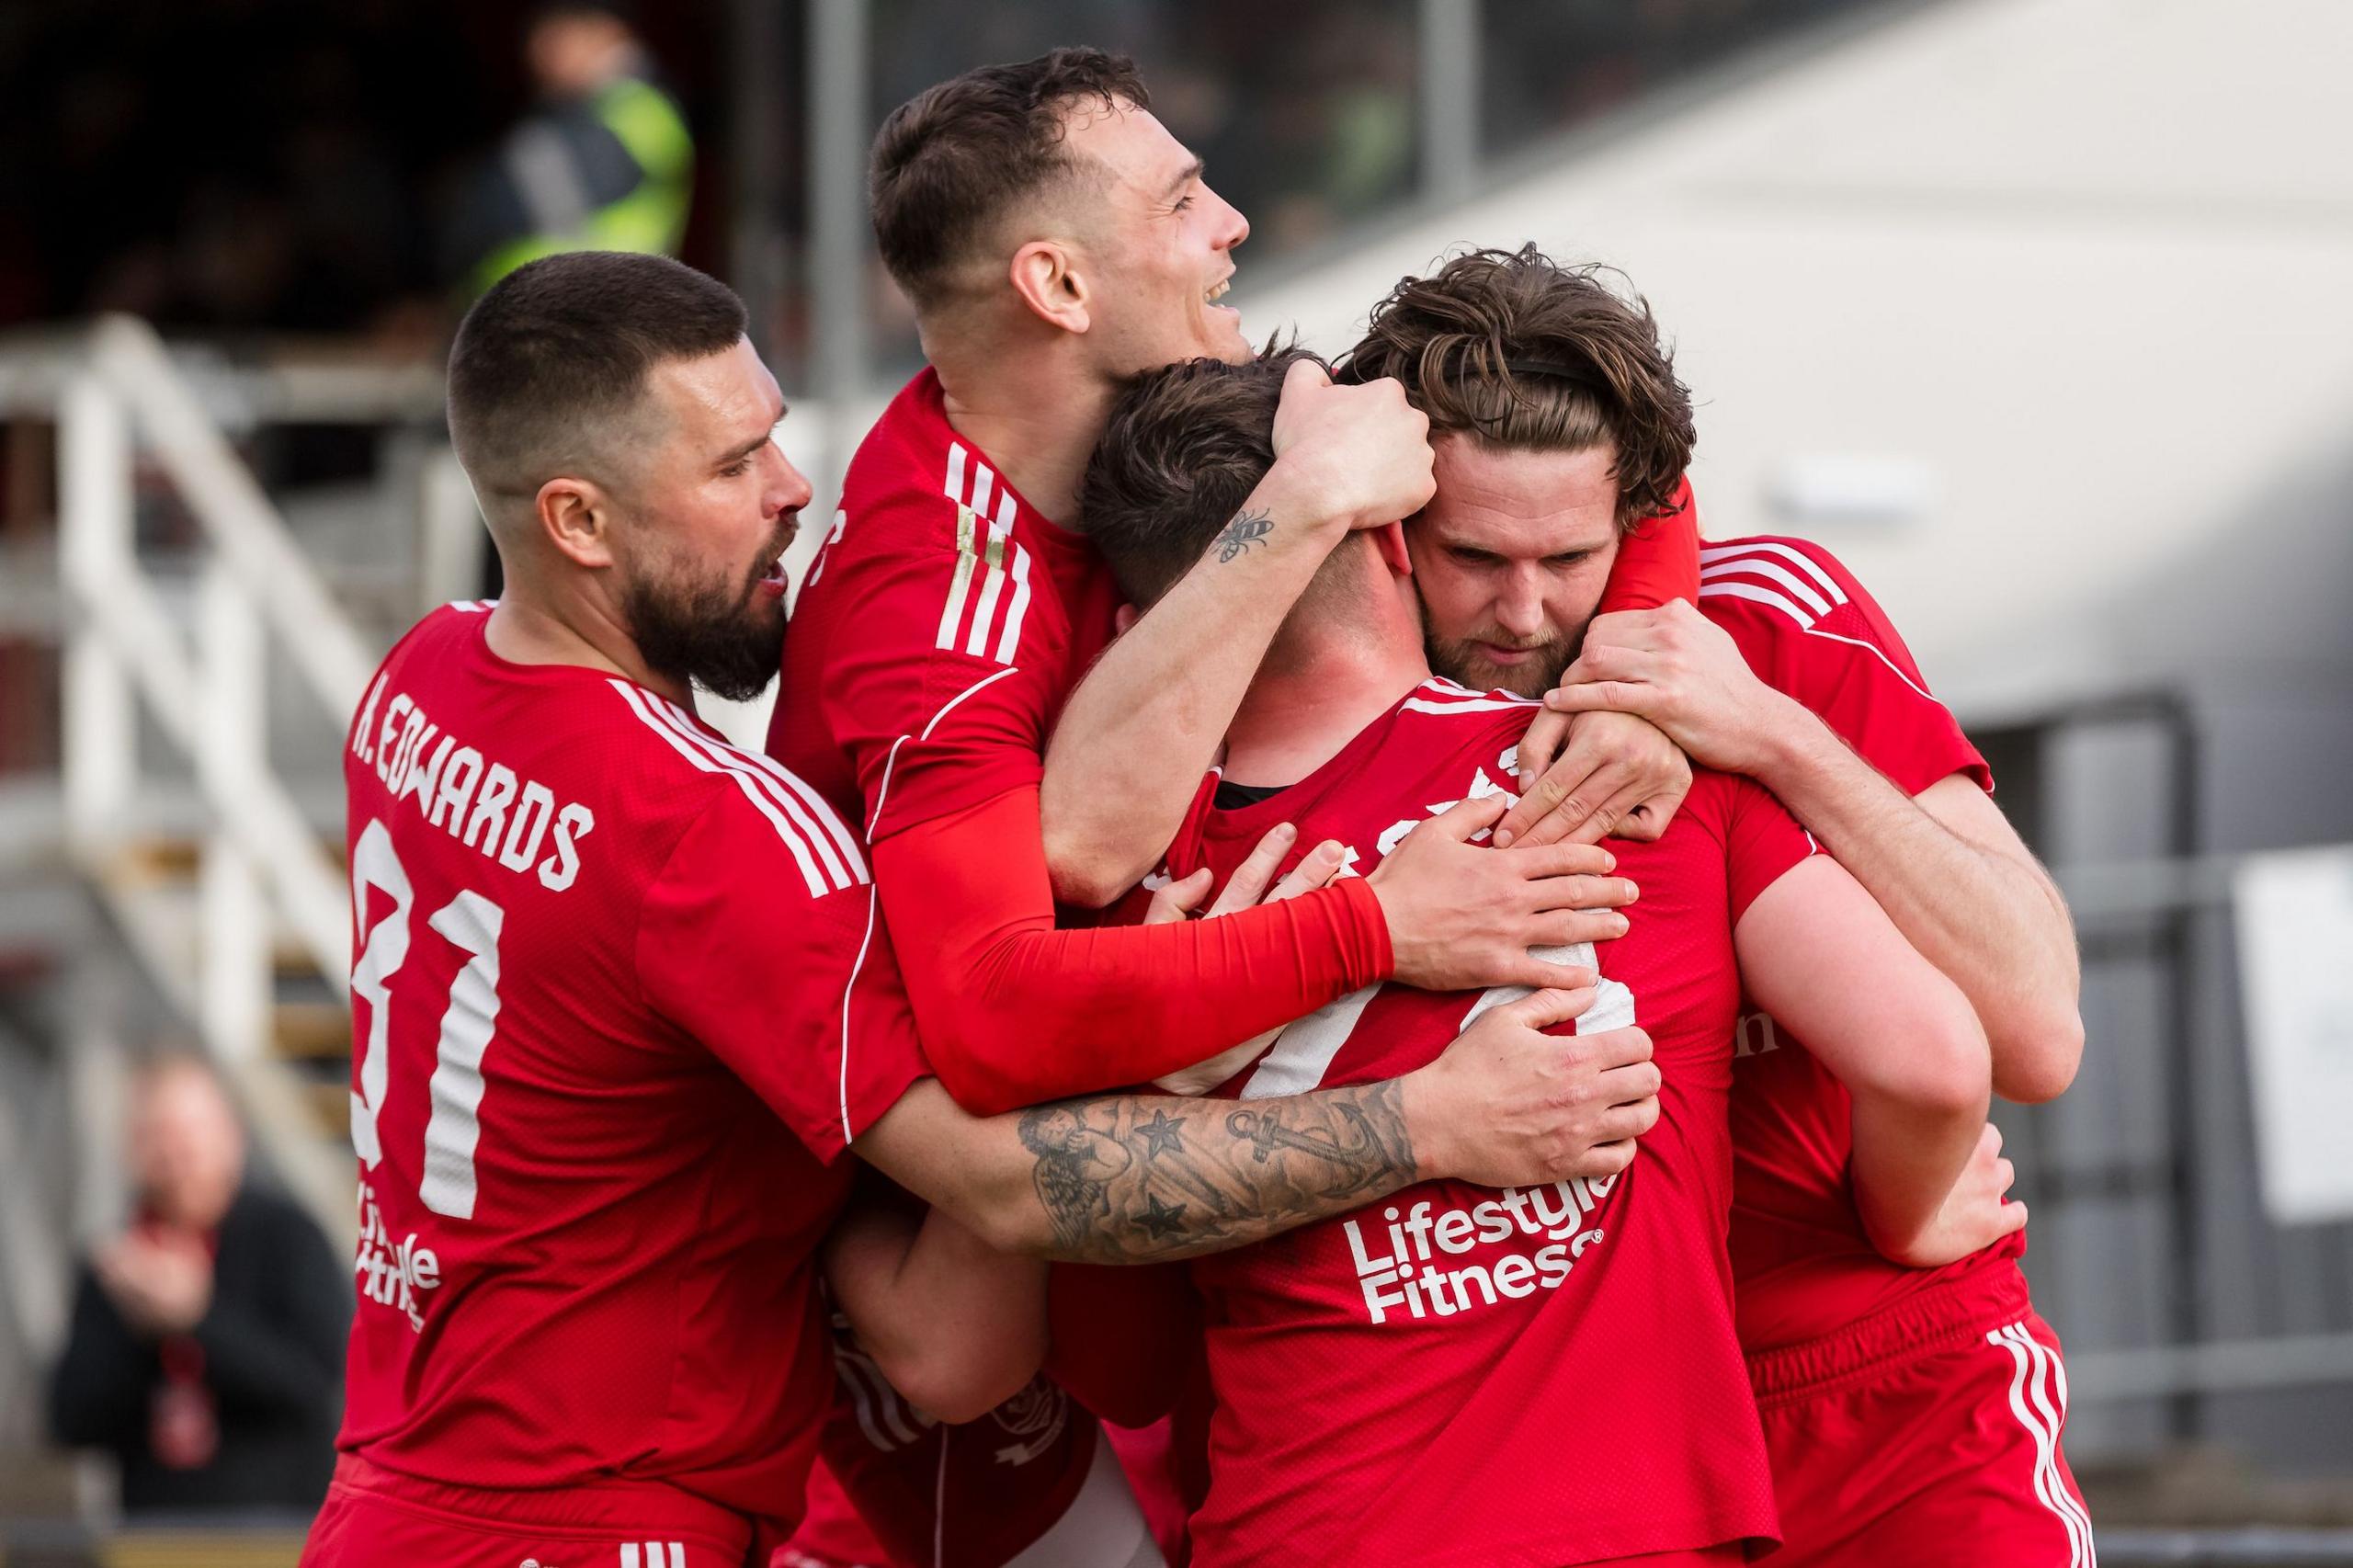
(1804, 1266)
(601, 953)
(1463, 1376)
(927, 662)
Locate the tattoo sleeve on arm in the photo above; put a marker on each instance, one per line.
(1248, 528)
(1141, 1178)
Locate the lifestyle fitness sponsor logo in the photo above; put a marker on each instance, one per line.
(1407, 1264)
(395, 1274)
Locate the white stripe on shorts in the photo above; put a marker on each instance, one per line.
(2031, 1403)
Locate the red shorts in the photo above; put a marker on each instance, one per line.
(1927, 1435)
(371, 1519)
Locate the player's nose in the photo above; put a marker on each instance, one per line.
(789, 489)
(1232, 227)
(1519, 611)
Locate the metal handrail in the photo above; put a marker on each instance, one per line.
(202, 679)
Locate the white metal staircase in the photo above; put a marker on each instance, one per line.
(234, 904)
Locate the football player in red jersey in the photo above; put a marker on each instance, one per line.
(1055, 238)
(601, 953)
(1914, 1415)
(1463, 1350)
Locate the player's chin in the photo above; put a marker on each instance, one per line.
(1222, 336)
(1529, 678)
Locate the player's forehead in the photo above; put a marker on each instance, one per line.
(730, 394)
(1143, 159)
(1515, 501)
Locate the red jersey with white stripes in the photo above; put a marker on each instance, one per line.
(1461, 1376)
(1804, 1265)
(601, 953)
(938, 630)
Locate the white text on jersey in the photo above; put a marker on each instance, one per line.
(484, 805)
(1402, 1275)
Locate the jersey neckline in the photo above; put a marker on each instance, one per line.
(1262, 815)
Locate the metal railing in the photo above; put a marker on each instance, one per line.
(199, 673)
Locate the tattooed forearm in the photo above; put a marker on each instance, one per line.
(1248, 528)
(1129, 1178)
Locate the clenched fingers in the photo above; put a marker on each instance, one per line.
(1177, 899)
(1315, 869)
(1557, 1004)
(1616, 1048)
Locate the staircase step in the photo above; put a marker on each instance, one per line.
(330, 1102)
(311, 1031)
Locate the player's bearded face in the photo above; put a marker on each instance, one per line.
(715, 627)
(1510, 559)
(704, 520)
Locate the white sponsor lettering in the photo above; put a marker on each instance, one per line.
(393, 1274)
(1407, 1262)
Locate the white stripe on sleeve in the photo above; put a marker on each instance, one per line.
(1710, 554)
(761, 802)
(1756, 565)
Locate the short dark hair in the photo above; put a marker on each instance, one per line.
(1517, 350)
(1183, 449)
(560, 346)
(952, 160)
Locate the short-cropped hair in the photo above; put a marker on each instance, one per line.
(951, 162)
(1183, 449)
(1519, 351)
(556, 353)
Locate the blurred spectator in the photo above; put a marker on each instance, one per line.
(207, 1339)
(605, 163)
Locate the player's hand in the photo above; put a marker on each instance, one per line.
(1976, 1213)
(1462, 916)
(1359, 456)
(1509, 1105)
(1250, 884)
(1618, 775)
(1247, 886)
(1684, 673)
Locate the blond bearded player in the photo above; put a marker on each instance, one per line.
(1914, 1415)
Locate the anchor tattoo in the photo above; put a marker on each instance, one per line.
(1266, 1134)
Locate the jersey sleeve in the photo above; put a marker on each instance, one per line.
(1659, 560)
(1762, 841)
(1016, 1012)
(761, 940)
(940, 664)
(1810, 629)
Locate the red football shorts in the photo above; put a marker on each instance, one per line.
(1929, 1435)
(372, 1520)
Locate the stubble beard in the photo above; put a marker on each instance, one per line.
(1461, 662)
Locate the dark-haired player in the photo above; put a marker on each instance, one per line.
(1055, 240)
(601, 953)
(1533, 1375)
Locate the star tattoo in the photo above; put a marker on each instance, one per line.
(1163, 1134)
(1160, 1220)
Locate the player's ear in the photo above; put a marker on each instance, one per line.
(1389, 541)
(1125, 616)
(1046, 277)
(575, 517)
